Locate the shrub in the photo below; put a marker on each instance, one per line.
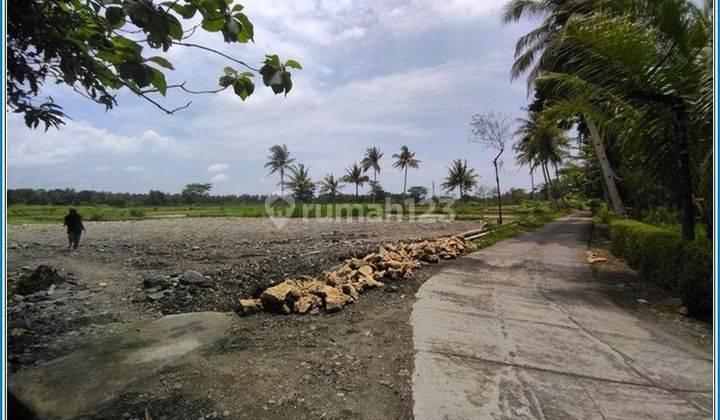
(602, 212)
(662, 257)
(96, 215)
(137, 212)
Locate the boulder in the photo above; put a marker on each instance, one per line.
(192, 277)
(350, 290)
(335, 299)
(365, 270)
(306, 303)
(276, 295)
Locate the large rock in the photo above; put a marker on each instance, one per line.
(335, 299)
(192, 277)
(276, 295)
(79, 384)
(305, 303)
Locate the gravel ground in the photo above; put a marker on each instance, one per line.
(356, 363)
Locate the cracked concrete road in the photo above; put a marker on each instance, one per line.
(519, 330)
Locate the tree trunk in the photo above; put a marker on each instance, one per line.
(357, 193)
(532, 183)
(404, 185)
(499, 195)
(282, 182)
(607, 172)
(685, 182)
(374, 184)
(548, 184)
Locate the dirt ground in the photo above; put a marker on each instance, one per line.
(355, 363)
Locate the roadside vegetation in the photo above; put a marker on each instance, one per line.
(522, 224)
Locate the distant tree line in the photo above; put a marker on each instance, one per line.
(71, 197)
(193, 194)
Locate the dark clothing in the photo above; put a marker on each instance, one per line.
(74, 239)
(75, 227)
(74, 223)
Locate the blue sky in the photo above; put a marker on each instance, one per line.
(376, 73)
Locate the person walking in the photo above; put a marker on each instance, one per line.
(75, 228)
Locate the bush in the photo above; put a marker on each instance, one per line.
(137, 212)
(662, 257)
(602, 212)
(96, 215)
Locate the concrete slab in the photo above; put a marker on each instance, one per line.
(519, 331)
(77, 384)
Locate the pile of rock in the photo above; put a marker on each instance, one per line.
(160, 287)
(337, 288)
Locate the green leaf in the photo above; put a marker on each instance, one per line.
(186, 11)
(243, 87)
(272, 60)
(230, 71)
(143, 75)
(126, 46)
(115, 17)
(248, 31)
(294, 64)
(286, 82)
(158, 80)
(237, 8)
(213, 24)
(161, 62)
(226, 81)
(175, 28)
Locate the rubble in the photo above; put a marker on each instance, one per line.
(593, 257)
(342, 286)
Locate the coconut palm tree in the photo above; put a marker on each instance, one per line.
(354, 175)
(404, 160)
(301, 184)
(541, 143)
(331, 185)
(654, 98)
(279, 160)
(460, 177)
(371, 160)
(636, 70)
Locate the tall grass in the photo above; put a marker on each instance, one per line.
(22, 213)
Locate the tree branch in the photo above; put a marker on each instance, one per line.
(202, 47)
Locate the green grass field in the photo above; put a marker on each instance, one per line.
(20, 213)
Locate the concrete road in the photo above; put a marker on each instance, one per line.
(519, 330)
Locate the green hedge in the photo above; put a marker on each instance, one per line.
(663, 257)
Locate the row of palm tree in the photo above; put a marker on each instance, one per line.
(636, 77)
(300, 182)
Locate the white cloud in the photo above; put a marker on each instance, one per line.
(219, 178)
(77, 139)
(218, 167)
(134, 169)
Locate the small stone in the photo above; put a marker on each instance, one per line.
(18, 332)
(314, 311)
(226, 413)
(154, 297)
(682, 310)
(249, 306)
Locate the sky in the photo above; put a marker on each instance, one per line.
(375, 73)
